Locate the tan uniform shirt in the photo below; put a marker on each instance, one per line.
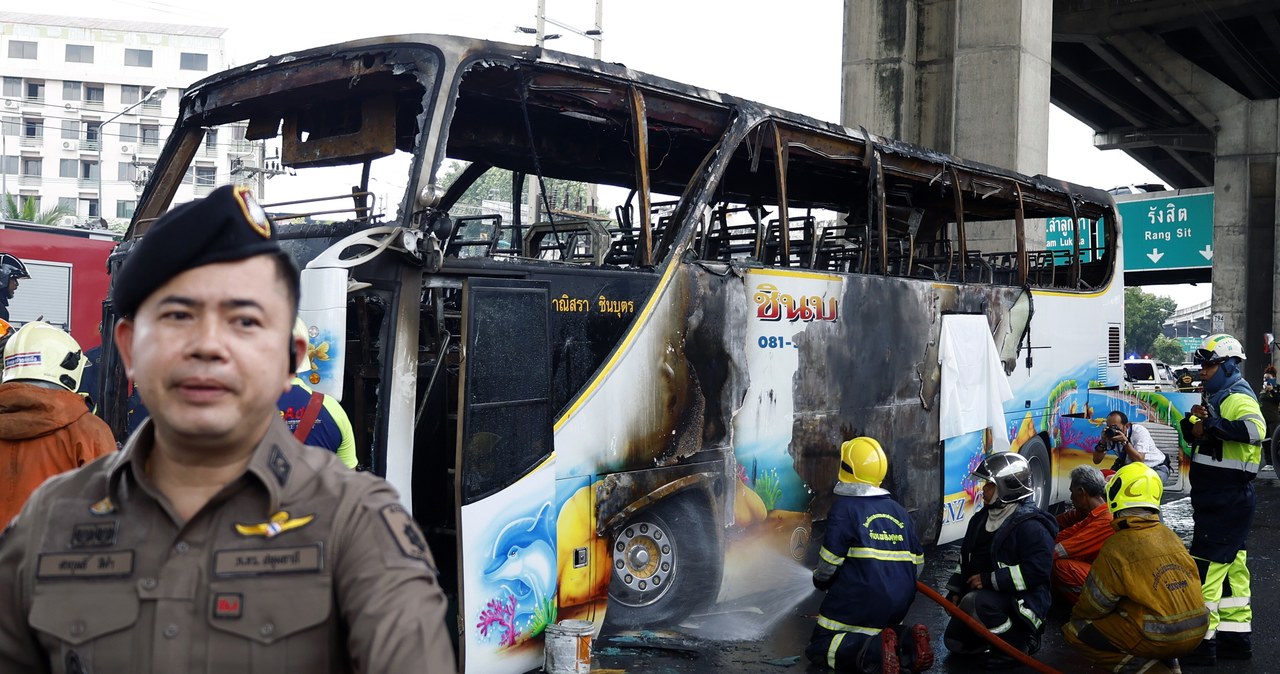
(299, 565)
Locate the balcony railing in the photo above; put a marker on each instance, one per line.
(203, 189)
(151, 107)
(28, 180)
(211, 149)
(32, 141)
(90, 145)
(149, 147)
(88, 183)
(91, 105)
(242, 147)
(34, 99)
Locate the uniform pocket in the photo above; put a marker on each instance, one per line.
(271, 623)
(86, 628)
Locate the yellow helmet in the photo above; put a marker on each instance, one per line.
(41, 352)
(862, 461)
(1134, 486)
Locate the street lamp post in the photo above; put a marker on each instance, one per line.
(155, 94)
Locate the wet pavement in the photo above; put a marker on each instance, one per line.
(767, 631)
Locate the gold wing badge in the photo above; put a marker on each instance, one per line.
(278, 524)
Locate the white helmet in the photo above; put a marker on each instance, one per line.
(41, 352)
(1217, 348)
(1009, 472)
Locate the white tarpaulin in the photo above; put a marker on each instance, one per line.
(974, 386)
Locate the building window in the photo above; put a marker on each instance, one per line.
(79, 53)
(189, 61)
(93, 131)
(9, 165)
(33, 128)
(137, 57)
(124, 209)
(70, 130)
(94, 95)
(67, 204)
(10, 126)
(35, 91)
(28, 198)
(31, 166)
(90, 206)
(130, 93)
(13, 86)
(71, 90)
(126, 171)
(22, 50)
(206, 176)
(68, 168)
(128, 133)
(150, 135)
(89, 170)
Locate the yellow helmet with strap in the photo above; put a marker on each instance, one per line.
(862, 461)
(1135, 485)
(41, 352)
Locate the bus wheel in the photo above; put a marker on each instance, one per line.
(1038, 458)
(666, 564)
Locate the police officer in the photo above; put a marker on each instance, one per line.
(868, 565)
(215, 541)
(1226, 433)
(11, 270)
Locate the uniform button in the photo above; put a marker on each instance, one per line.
(267, 630)
(171, 631)
(77, 628)
(181, 548)
(148, 583)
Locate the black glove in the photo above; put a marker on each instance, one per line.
(824, 586)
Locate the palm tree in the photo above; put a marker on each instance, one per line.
(11, 210)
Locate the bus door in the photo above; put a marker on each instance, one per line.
(506, 475)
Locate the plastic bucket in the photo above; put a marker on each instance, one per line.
(568, 647)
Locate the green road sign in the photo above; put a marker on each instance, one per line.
(1160, 233)
(1189, 344)
(1168, 232)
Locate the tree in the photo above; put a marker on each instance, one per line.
(10, 209)
(1168, 350)
(495, 184)
(1144, 317)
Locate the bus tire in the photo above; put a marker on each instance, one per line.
(666, 563)
(1038, 458)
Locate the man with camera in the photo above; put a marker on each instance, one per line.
(1130, 443)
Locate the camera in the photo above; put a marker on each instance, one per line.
(1113, 431)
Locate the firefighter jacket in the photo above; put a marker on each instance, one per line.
(1143, 592)
(1082, 534)
(1237, 422)
(43, 432)
(871, 543)
(1022, 552)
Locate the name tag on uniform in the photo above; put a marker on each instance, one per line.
(260, 561)
(53, 565)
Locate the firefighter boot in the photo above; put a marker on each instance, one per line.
(890, 663)
(1205, 655)
(1235, 645)
(917, 652)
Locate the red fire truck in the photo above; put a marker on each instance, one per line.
(68, 281)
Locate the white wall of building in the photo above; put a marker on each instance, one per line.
(118, 75)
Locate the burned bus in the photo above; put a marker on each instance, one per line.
(591, 408)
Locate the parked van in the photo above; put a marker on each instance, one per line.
(1144, 374)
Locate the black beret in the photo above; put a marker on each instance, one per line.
(224, 226)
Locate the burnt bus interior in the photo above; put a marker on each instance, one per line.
(785, 191)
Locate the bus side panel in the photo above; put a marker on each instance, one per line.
(1057, 397)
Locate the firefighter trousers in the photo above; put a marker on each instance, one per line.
(1227, 595)
(1089, 641)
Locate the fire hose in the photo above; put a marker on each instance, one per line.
(981, 630)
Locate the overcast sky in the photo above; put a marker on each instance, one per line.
(789, 59)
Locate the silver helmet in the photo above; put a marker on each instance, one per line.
(1009, 472)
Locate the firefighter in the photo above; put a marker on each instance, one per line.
(45, 426)
(1141, 607)
(1226, 437)
(11, 270)
(1006, 561)
(329, 428)
(1083, 530)
(868, 564)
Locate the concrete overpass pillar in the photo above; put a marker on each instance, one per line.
(1246, 206)
(968, 77)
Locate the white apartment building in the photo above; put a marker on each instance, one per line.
(77, 128)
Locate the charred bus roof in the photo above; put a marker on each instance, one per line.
(369, 97)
